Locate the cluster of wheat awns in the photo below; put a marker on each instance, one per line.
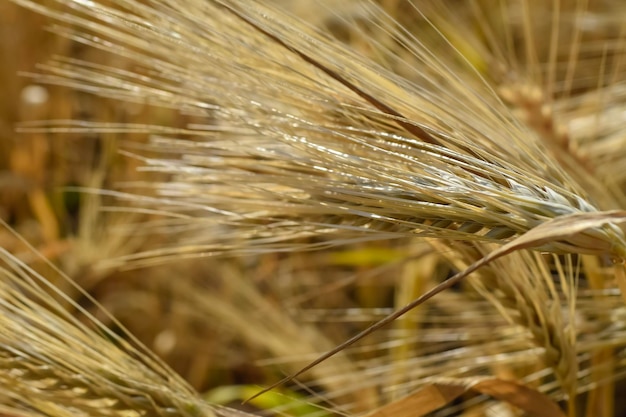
(492, 131)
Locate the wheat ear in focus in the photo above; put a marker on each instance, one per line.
(307, 144)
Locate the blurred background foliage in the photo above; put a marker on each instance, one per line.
(249, 320)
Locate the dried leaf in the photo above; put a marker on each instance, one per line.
(427, 399)
(441, 393)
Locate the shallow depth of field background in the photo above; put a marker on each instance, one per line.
(217, 322)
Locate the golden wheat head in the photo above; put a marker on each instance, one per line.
(306, 139)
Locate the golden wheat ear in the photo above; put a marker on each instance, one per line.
(308, 144)
(58, 359)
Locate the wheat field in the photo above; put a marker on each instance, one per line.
(368, 208)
